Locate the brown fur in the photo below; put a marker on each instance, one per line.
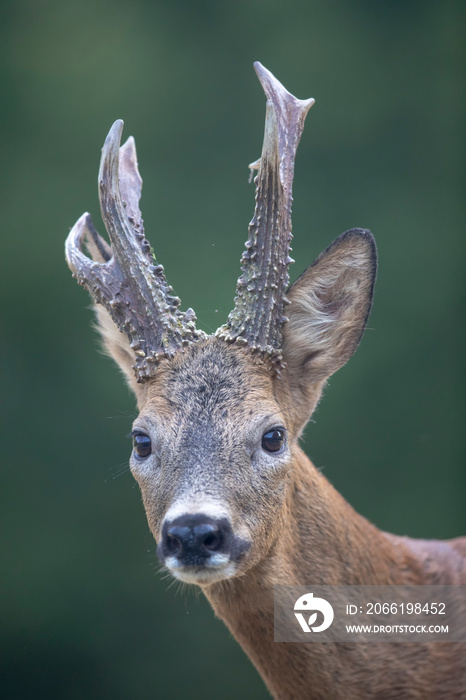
(205, 411)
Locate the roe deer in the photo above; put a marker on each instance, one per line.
(234, 504)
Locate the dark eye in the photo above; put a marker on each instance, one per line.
(272, 440)
(141, 445)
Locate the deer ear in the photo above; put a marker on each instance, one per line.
(116, 345)
(330, 305)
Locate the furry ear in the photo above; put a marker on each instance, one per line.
(116, 346)
(330, 305)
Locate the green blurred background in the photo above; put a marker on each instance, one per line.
(84, 611)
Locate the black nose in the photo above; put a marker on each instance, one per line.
(193, 538)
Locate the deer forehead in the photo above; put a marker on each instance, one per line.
(217, 386)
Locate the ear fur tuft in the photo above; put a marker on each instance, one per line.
(330, 305)
(116, 345)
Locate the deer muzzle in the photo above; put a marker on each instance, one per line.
(200, 548)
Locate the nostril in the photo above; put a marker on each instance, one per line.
(212, 541)
(192, 539)
(176, 539)
(209, 536)
(173, 544)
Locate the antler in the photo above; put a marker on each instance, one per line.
(258, 317)
(125, 277)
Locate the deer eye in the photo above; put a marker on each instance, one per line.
(272, 440)
(141, 445)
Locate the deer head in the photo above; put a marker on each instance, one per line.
(215, 442)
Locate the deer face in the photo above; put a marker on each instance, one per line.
(214, 472)
(220, 415)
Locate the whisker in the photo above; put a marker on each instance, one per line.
(117, 471)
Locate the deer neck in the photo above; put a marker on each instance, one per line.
(322, 540)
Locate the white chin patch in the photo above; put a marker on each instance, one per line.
(218, 568)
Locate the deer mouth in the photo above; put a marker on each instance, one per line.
(207, 573)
